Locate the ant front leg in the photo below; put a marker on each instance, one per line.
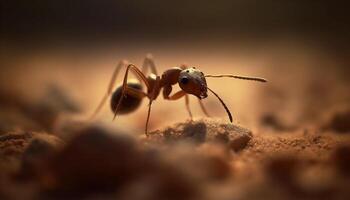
(176, 96)
(203, 108)
(187, 99)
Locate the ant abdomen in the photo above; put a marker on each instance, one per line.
(129, 102)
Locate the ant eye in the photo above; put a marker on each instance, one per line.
(184, 80)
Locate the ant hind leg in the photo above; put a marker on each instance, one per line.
(139, 74)
(148, 62)
(111, 84)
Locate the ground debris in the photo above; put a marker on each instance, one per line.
(202, 131)
(22, 113)
(202, 159)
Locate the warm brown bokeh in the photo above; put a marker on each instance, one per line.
(289, 136)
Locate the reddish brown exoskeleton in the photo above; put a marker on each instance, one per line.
(191, 81)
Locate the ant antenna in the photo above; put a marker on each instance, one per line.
(238, 77)
(222, 102)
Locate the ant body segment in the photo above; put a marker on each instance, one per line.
(191, 81)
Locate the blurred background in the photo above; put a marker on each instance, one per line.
(301, 47)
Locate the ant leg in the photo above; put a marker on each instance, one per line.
(111, 84)
(148, 116)
(134, 69)
(148, 62)
(187, 99)
(203, 108)
(180, 94)
(177, 96)
(135, 92)
(153, 96)
(109, 88)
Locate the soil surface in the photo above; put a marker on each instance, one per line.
(202, 159)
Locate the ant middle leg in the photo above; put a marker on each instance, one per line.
(151, 98)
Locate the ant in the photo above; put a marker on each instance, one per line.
(191, 81)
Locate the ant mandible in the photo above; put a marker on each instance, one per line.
(191, 81)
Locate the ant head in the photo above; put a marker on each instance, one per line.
(192, 81)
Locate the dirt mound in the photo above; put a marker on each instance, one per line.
(203, 131)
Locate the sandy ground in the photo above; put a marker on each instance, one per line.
(289, 139)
